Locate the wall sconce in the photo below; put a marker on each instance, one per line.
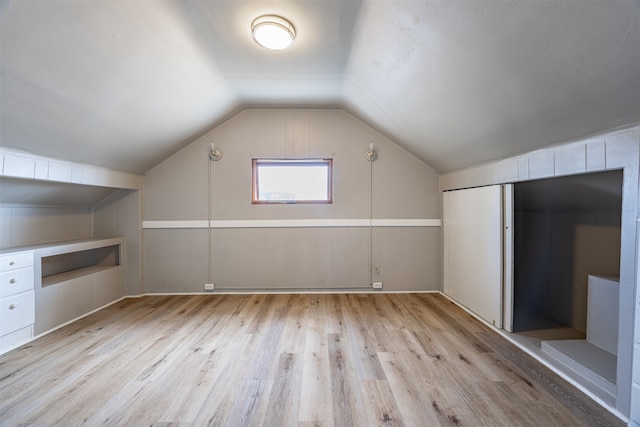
(371, 154)
(214, 153)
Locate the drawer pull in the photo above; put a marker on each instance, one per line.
(13, 306)
(13, 280)
(11, 262)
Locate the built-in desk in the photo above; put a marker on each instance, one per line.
(67, 280)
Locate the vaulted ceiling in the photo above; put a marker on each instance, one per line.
(124, 84)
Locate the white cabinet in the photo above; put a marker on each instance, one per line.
(17, 299)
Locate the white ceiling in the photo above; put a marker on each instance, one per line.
(124, 84)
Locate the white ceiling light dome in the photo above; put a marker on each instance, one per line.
(273, 32)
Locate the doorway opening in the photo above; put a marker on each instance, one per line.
(566, 267)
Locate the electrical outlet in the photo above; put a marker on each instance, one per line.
(208, 286)
(376, 270)
(377, 285)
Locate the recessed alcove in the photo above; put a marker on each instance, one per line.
(70, 265)
(567, 234)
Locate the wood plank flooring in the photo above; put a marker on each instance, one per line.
(284, 360)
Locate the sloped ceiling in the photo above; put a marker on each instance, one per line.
(123, 84)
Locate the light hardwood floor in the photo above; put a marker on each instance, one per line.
(284, 360)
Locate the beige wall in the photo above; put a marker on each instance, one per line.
(402, 187)
(30, 225)
(119, 215)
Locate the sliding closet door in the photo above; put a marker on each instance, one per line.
(473, 250)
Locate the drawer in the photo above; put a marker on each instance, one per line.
(16, 260)
(16, 312)
(16, 281)
(15, 339)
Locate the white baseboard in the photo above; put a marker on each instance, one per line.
(77, 318)
(283, 292)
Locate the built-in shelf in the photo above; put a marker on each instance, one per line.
(73, 260)
(66, 246)
(59, 248)
(74, 274)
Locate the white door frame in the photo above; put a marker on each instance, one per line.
(507, 257)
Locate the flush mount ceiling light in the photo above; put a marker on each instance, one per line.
(273, 32)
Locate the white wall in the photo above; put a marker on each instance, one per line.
(614, 150)
(635, 392)
(316, 257)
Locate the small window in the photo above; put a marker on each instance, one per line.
(292, 181)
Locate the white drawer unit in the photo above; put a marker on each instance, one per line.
(16, 281)
(16, 312)
(14, 339)
(17, 299)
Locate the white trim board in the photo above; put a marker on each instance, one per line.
(292, 223)
(176, 224)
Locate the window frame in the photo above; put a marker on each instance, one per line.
(256, 162)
